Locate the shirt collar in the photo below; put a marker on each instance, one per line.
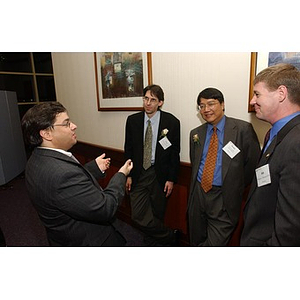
(280, 123)
(220, 126)
(154, 119)
(58, 150)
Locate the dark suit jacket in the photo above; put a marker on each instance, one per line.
(70, 202)
(236, 172)
(272, 212)
(166, 161)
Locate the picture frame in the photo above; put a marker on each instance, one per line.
(120, 79)
(262, 60)
(253, 61)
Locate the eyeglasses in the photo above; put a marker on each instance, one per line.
(152, 100)
(67, 124)
(210, 105)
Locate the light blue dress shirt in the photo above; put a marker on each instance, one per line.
(154, 123)
(278, 125)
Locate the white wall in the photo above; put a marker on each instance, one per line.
(181, 75)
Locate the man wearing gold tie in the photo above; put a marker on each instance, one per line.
(223, 153)
(153, 143)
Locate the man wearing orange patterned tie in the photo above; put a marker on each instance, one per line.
(223, 153)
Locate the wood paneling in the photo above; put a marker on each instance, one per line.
(177, 203)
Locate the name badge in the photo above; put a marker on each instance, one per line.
(165, 143)
(231, 149)
(263, 175)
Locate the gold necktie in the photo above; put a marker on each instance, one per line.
(210, 163)
(148, 147)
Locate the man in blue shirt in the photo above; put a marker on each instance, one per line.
(213, 210)
(272, 211)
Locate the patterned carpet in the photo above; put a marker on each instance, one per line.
(21, 225)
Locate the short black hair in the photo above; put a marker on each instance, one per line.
(210, 93)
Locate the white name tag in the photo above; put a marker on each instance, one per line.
(263, 175)
(231, 149)
(165, 143)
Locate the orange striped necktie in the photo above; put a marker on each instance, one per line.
(210, 162)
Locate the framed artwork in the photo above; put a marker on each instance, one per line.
(262, 60)
(120, 79)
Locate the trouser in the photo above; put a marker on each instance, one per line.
(148, 207)
(209, 223)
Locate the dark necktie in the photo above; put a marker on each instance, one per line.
(210, 163)
(267, 137)
(148, 147)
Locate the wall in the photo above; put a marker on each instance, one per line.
(182, 75)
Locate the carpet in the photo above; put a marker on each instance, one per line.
(21, 225)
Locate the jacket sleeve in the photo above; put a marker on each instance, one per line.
(287, 213)
(93, 168)
(128, 146)
(175, 153)
(80, 198)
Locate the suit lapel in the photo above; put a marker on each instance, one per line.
(230, 134)
(263, 160)
(270, 150)
(161, 126)
(63, 157)
(277, 140)
(140, 129)
(201, 131)
(138, 135)
(55, 154)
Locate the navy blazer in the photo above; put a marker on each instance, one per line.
(166, 161)
(70, 202)
(237, 172)
(272, 211)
